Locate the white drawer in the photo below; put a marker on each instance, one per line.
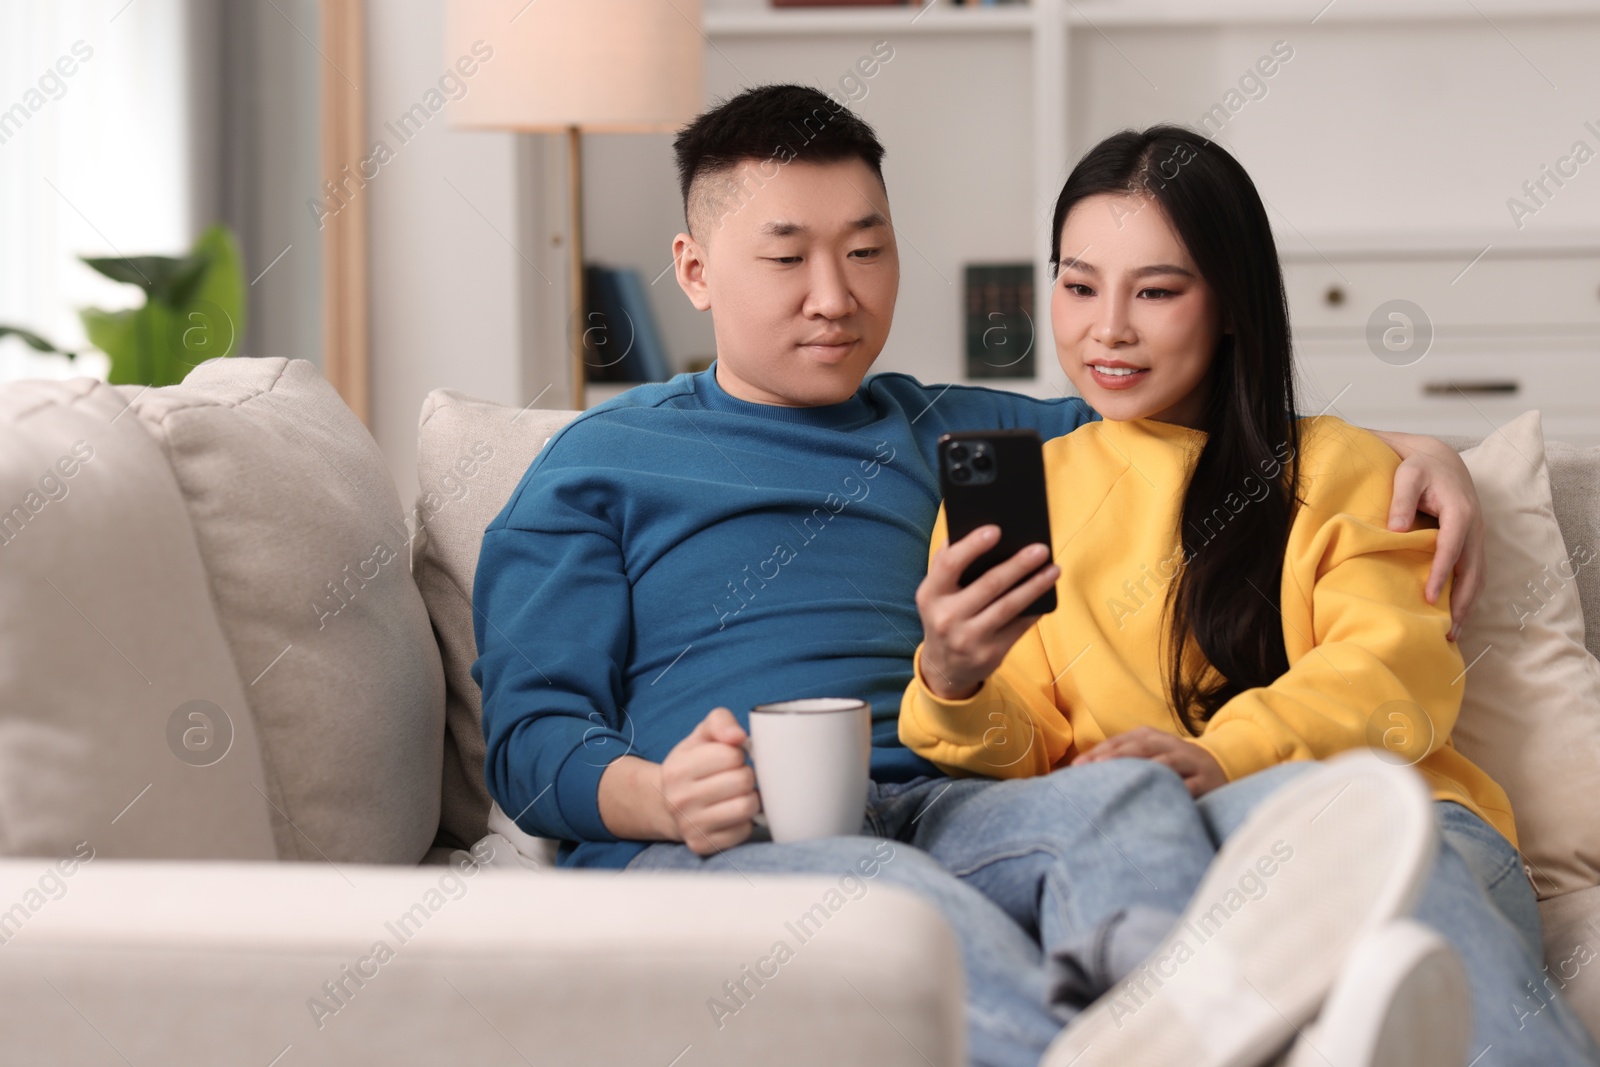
(1455, 392)
(1510, 330)
(1549, 294)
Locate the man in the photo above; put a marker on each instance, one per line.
(756, 532)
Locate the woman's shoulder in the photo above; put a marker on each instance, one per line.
(1123, 439)
(1075, 442)
(1327, 438)
(1344, 468)
(1098, 449)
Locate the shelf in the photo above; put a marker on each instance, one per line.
(1101, 13)
(898, 20)
(1097, 14)
(1401, 244)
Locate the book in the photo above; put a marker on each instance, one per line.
(999, 327)
(843, 3)
(621, 340)
(652, 354)
(607, 336)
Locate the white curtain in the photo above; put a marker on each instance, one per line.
(96, 157)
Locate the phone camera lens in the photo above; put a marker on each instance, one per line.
(960, 474)
(982, 462)
(958, 452)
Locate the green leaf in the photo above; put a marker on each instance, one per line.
(150, 273)
(214, 316)
(139, 342)
(180, 288)
(34, 341)
(164, 360)
(194, 311)
(112, 332)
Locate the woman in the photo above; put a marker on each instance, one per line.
(1231, 598)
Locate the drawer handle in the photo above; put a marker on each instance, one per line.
(1490, 387)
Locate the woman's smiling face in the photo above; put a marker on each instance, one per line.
(1135, 324)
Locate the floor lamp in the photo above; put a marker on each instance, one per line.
(575, 67)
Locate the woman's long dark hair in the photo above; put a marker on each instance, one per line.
(1224, 603)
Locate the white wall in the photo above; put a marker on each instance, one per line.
(444, 273)
(1389, 126)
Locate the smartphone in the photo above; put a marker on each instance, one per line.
(997, 476)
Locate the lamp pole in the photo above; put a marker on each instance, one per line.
(595, 66)
(575, 262)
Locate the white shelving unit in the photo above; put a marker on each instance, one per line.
(747, 19)
(984, 108)
(723, 23)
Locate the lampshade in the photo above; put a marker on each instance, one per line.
(601, 65)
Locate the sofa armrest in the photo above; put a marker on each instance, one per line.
(300, 964)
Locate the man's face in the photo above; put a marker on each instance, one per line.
(798, 266)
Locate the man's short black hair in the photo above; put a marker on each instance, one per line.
(777, 123)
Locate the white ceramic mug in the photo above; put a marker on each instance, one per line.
(811, 758)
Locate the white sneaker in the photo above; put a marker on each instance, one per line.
(1322, 863)
(1401, 1001)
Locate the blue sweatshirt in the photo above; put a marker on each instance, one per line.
(677, 549)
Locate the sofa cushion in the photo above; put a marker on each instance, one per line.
(1572, 957)
(123, 725)
(305, 544)
(470, 456)
(197, 965)
(1575, 486)
(1575, 489)
(1530, 716)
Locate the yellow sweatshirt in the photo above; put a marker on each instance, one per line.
(1369, 664)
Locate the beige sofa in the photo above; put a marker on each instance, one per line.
(215, 657)
(225, 645)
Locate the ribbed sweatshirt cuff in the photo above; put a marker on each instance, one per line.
(1241, 747)
(577, 791)
(954, 722)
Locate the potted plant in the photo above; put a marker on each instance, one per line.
(194, 310)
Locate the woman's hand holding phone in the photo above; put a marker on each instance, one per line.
(968, 631)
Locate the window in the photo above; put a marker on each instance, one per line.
(96, 158)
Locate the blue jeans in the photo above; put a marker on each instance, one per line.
(1480, 901)
(1059, 886)
(1081, 871)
